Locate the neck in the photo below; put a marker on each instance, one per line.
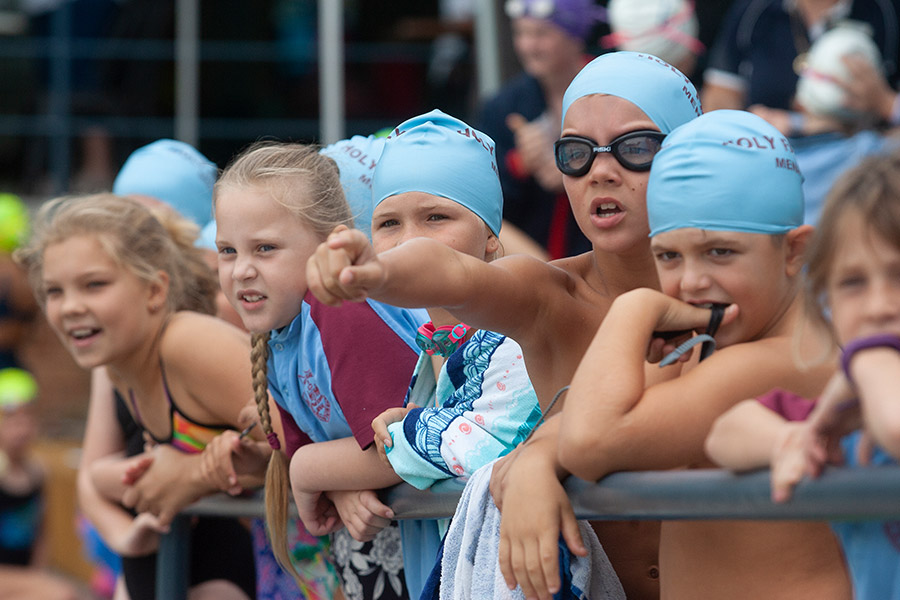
(139, 369)
(813, 11)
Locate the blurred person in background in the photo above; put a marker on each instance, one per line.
(763, 45)
(549, 38)
(665, 28)
(22, 543)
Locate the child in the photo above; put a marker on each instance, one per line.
(725, 207)
(470, 398)
(22, 540)
(552, 309)
(331, 371)
(853, 266)
(112, 279)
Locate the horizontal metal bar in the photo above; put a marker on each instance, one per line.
(210, 50)
(245, 128)
(701, 494)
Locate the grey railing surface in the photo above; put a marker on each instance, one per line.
(839, 494)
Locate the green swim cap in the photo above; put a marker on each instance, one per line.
(13, 222)
(17, 387)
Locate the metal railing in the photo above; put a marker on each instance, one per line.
(187, 52)
(839, 494)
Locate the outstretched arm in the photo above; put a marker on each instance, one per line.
(503, 295)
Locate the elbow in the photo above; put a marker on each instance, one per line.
(716, 445)
(887, 435)
(581, 456)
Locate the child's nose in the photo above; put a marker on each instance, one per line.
(243, 269)
(72, 304)
(694, 279)
(605, 168)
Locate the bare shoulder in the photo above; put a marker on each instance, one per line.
(762, 365)
(511, 295)
(189, 335)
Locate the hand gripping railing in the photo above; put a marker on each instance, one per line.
(839, 494)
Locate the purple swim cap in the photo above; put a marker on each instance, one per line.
(576, 17)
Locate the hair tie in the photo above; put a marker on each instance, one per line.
(273, 440)
(442, 341)
(881, 340)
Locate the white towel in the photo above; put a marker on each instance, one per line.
(470, 568)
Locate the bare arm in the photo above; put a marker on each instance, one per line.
(502, 296)
(876, 375)
(339, 465)
(102, 437)
(716, 97)
(613, 423)
(744, 437)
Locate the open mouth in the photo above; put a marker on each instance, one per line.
(251, 298)
(606, 210)
(82, 334)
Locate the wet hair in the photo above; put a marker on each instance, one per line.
(870, 190)
(308, 184)
(141, 239)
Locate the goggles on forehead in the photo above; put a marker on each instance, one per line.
(634, 151)
(539, 9)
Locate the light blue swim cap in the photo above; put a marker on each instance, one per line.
(440, 155)
(356, 158)
(650, 83)
(207, 237)
(728, 170)
(173, 172)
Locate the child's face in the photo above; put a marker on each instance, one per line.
(610, 201)
(417, 214)
(17, 430)
(707, 267)
(99, 309)
(863, 283)
(263, 249)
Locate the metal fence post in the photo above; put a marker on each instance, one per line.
(187, 71)
(331, 71)
(173, 561)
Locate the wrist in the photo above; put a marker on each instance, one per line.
(883, 341)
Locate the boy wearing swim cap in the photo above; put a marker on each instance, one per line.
(551, 309)
(725, 208)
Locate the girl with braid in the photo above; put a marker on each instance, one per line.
(329, 370)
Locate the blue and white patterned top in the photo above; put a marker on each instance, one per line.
(481, 407)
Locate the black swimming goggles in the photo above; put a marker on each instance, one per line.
(634, 151)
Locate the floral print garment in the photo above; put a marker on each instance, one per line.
(370, 570)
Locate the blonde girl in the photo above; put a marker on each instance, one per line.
(329, 370)
(854, 274)
(113, 279)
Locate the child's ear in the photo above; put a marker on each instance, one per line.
(795, 243)
(159, 292)
(492, 246)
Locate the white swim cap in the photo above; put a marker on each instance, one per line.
(665, 28)
(818, 90)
